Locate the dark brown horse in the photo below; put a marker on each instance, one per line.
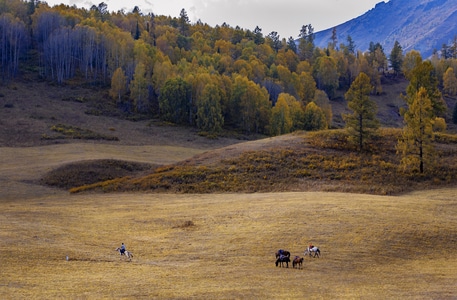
(283, 259)
(298, 261)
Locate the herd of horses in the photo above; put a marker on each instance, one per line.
(283, 257)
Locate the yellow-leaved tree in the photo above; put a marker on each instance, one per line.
(118, 85)
(362, 124)
(280, 120)
(450, 82)
(416, 144)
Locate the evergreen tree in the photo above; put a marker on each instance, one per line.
(275, 41)
(362, 123)
(291, 44)
(350, 45)
(184, 23)
(415, 146)
(396, 58)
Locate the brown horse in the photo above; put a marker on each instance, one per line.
(282, 253)
(298, 261)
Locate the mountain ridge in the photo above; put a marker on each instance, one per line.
(422, 25)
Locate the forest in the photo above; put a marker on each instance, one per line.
(212, 78)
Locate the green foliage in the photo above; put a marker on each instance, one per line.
(209, 111)
(327, 75)
(174, 101)
(362, 124)
(281, 121)
(314, 118)
(396, 57)
(423, 76)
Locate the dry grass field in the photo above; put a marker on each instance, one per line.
(215, 246)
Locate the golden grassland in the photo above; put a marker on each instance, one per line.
(216, 245)
(221, 246)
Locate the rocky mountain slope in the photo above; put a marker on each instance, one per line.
(423, 25)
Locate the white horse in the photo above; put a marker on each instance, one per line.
(127, 254)
(310, 250)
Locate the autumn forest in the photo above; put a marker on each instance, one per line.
(213, 77)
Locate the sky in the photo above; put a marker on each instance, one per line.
(286, 17)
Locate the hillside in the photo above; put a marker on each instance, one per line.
(38, 114)
(423, 25)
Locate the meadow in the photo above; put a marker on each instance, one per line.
(215, 246)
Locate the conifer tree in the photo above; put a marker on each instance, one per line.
(416, 144)
(362, 124)
(396, 58)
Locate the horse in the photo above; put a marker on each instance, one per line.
(283, 253)
(313, 249)
(298, 261)
(127, 254)
(282, 259)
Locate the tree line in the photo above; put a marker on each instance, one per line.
(214, 77)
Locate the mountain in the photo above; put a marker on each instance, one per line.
(422, 25)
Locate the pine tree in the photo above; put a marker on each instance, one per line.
(396, 58)
(362, 123)
(415, 146)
